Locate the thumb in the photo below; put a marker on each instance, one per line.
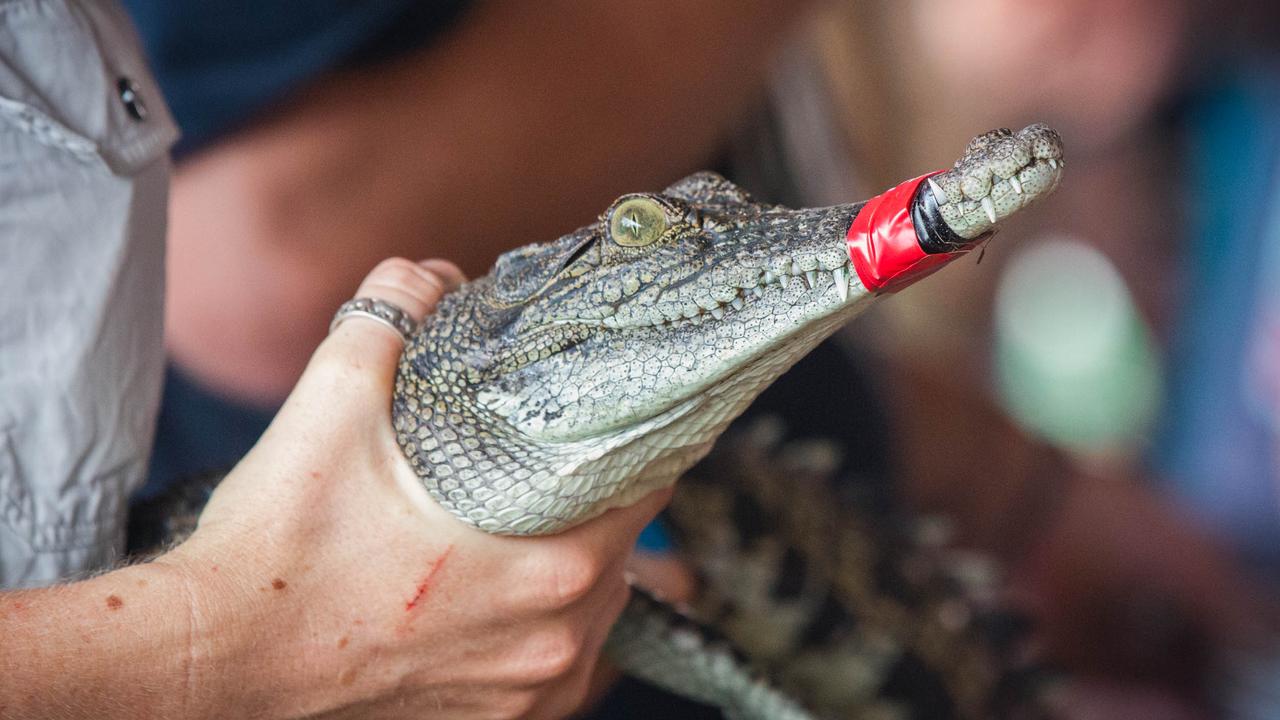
(358, 359)
(339, 408)
(415, 288)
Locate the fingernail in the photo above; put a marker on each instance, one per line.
(448, 273)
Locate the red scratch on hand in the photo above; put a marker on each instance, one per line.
(425, 585)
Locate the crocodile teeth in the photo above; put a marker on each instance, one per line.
(737, 303)
(784, 281)
(757, 291)
(1053, 163)
(769, 277)
(989, 208)
(938, 193)
(717, 313)
(842, 283)
(1016, 183)
(811, 277)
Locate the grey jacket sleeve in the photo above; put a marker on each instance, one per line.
(84, 139)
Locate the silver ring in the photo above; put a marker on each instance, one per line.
(380, 310)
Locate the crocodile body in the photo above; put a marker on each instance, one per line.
(584, 373)
(849, 604)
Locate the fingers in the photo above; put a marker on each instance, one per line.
(452, 276)
(350, 375)
(575, 688)
(664, 575)
(614, 533)
(567, 570)
(360, 353)
(413, 287)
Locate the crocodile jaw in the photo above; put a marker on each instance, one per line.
(583, 373)
(630, 405)
(757, 288)
(652, 452)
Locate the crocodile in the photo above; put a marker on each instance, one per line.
(584, 373)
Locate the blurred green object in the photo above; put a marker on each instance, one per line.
(1074, 361)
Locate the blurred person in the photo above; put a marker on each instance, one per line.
(270, 198)
(304, 591)
(1128, 584)
(323, 136)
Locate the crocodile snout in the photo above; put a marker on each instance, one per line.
(1000, 173)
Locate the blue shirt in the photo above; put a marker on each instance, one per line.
(220, 62)
(1218, 447)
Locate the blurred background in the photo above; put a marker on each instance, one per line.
(1094, 398)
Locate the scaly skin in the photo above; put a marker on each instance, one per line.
(584, 373)
(1000, 173)
(855, 608)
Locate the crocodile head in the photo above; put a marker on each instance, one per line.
(587, 371)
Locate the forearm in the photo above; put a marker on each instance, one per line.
(208, 630)
(517, 126)
(117, 646)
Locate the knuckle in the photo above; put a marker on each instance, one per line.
(550, 654)
(393, 267)
(561, 578)
(406, 275)
(574, 577)
(336, 374)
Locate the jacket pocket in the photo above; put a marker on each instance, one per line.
(72, 77)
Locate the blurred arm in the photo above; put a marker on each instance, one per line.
(520, 124)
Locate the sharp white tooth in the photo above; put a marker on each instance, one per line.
(938, 193)
(811, 277)
(784, 280)
(769, 277)
(717, 313)
(757, 291)
(1053, 163)
(737, 303)
(842, 283)
(989, 208)
(1016, 183)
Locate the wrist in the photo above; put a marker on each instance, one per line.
(262, 635)
(226, 625)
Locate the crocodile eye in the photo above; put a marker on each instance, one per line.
(637, 221)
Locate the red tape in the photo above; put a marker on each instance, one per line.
(883, 245)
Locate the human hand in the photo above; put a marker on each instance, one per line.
(325, 581)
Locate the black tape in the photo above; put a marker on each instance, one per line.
(932, 232)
